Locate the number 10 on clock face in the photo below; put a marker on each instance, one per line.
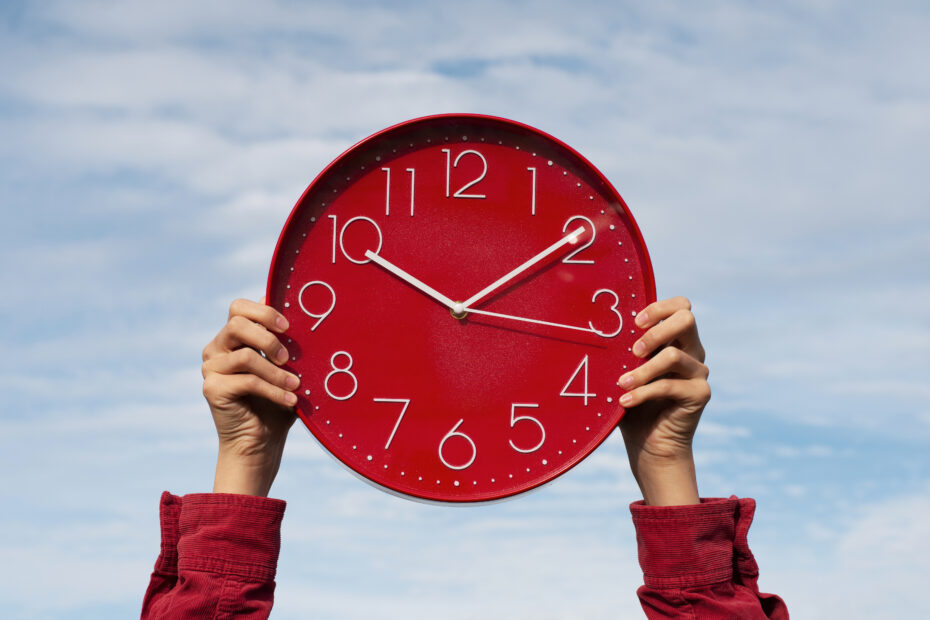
(461, 291)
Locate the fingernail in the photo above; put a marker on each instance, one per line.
(290, 398)
(626, 399)
(639, 348)
(281, 323)
(626, 381)
(281, 355)
(641, 318)
(291, 382)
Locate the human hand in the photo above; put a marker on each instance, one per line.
(250, 397)
(664, 400)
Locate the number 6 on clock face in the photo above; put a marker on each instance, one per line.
(481, 267)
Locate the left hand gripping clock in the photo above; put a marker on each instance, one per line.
(461, 291)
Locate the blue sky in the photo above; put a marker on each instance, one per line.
(774, 156)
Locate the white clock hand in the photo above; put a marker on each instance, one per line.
(571, 237)
(403, 275)
(520, 318)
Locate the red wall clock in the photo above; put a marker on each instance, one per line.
(461, 292)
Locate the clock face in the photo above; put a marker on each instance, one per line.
(461, 291)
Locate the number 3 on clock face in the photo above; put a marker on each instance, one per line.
(460, 290)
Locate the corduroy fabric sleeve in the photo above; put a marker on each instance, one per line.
(219, 553)
(697, 564)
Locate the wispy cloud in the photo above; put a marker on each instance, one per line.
(773, 155)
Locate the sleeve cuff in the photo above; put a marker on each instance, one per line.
(169, 510)
(230, 534)
(690, 546)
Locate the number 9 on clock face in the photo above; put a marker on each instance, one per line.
(461, 291)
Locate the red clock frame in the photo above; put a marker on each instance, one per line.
(470, 406)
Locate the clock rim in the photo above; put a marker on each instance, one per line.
(510, 124)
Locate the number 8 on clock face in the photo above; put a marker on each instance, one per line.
(461, 291)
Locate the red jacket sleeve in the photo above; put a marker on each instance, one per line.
(218, 557)
(697, 564)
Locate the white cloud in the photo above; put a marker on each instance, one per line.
(877, 567)
(152, 152)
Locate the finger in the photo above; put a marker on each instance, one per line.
(679, 329)
(669, 361)
(658, 311)
(248, 361)
(241, 332)
(688, 393)
(220, 389)
(259, 313)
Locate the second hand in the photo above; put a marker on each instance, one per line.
(526, 320)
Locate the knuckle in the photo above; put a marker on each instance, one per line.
(252, 383)
(673, 355)
(688, 318)
(704, 371)
(238, 323)
(210, 387)
(683, 302)
(237, 307)
(703, 391)
(244, 357)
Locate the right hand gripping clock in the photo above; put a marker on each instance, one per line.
(461, 292)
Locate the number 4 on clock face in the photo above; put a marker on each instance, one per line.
(457, 288)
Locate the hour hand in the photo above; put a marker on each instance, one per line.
(414, 282)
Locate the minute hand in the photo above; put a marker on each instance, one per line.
(409, 279)
(571, 237)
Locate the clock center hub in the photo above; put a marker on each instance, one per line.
(458, 310)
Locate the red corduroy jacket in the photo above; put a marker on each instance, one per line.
(219, 553)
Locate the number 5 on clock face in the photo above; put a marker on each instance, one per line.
(460, 289)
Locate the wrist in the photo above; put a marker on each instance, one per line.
(245, 474)
(666, 481)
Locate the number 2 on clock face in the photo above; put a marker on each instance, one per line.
(459, 289)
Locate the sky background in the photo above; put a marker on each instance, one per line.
(775, 156)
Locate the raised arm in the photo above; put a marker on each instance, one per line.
(694, 552)
(219, 550)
